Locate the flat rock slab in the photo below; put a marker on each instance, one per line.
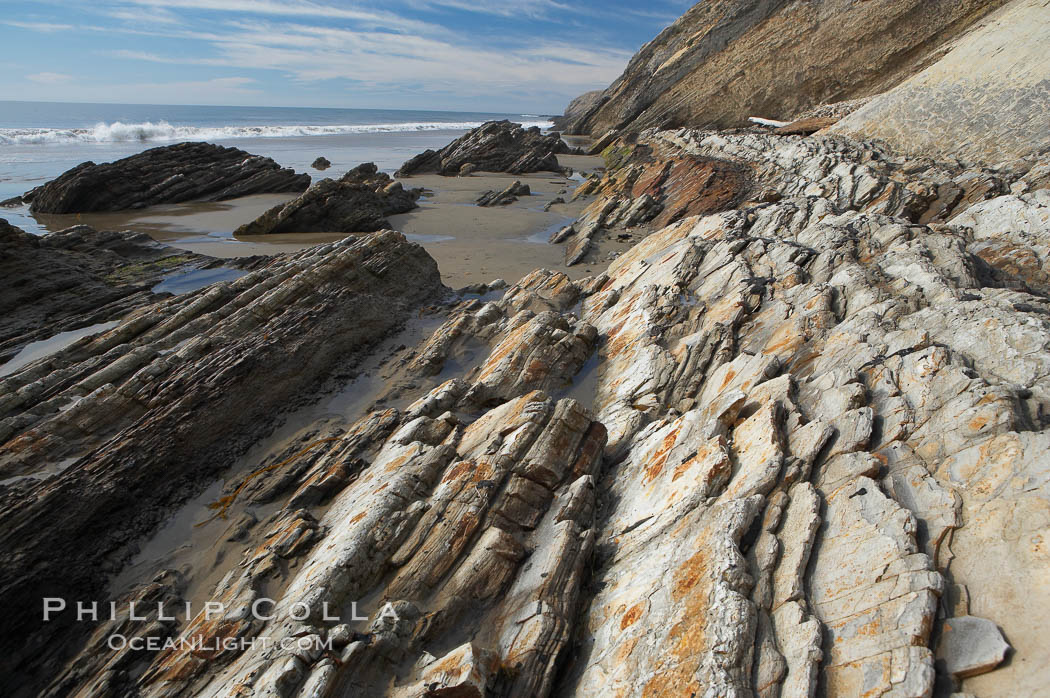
(970, 646)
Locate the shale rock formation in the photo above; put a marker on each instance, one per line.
(794, 446)
(166, 175)
(498, 146)
(100, 440)
(507, 196)
(357, 202)
(661, 176)
(78, 277)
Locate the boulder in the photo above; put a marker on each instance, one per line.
(497, 146)
(166, 175)
(507, 196)
(357, 202)
(970, 646)
(321, 163)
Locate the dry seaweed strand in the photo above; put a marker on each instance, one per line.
(223, 504)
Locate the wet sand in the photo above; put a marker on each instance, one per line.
(471, 244)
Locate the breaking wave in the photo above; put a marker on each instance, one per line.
(119, 132)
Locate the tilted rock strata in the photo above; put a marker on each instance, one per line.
(146, 413)
(659, 177)
(771, 451)
(77, 277)
(788, 354)
(357, 202)
(476, 501)
(498, 146)
(641, 187)
(166, 175)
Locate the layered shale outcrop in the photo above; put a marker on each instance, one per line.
(790, 443)
(357, 202)
(165, 175)
(100, 440)
(498, 146)
(78, 277)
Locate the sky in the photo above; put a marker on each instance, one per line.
(459, 55)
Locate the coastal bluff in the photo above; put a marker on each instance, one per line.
(945, 78)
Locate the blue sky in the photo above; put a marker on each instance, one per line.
(463, 55)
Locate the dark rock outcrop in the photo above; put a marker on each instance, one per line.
(726, 60)
(358, 202)
(507, 196)
(321, 163)
(77, 277)
(166, 175)
(498, 146)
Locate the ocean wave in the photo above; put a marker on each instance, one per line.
(119, 132)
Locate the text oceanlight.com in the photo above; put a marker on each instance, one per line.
(199, 644)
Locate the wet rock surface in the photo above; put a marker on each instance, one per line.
(79, 277)
(165, 175)
(792, 442)
(498, 146)
(357, 202)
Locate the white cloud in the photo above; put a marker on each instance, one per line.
(310, 53)
(292, 8)
(349, 51)
(143, 15)
(47, 27)
(49, 78)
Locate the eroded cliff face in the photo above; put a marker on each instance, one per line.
(983, 101)
(794, 443)
(726, 60)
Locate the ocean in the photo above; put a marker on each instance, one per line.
(40, 140)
